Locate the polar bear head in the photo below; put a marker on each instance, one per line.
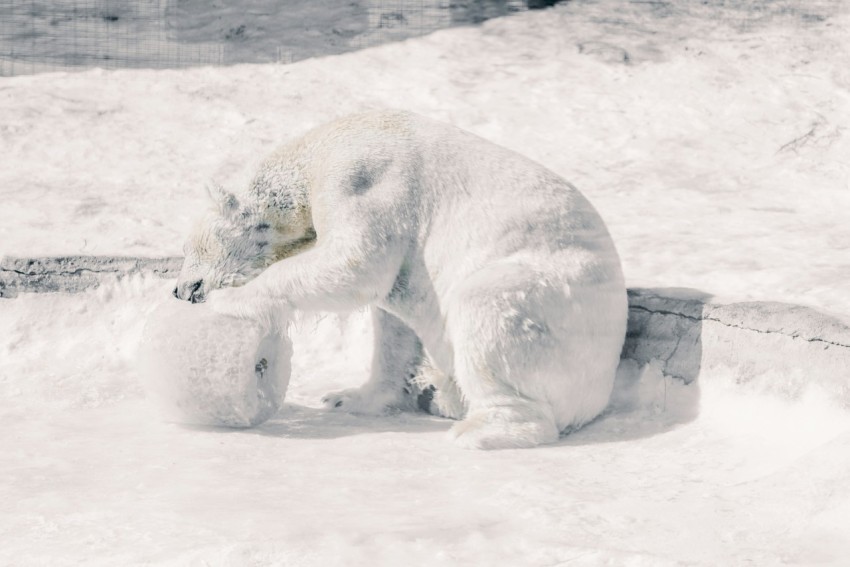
(233, 242)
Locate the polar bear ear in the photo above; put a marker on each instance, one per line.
(227, 202)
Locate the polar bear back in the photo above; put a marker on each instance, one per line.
(451, 190)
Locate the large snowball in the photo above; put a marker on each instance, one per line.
(209, 369)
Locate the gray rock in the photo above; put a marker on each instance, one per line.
(778, 347)
(73, 274)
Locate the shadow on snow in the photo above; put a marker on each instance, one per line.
(655, 391)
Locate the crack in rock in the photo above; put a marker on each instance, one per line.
(75, 273)
(791, 335)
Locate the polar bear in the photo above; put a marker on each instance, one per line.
(488, 276)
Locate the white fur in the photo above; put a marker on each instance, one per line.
(501, 269)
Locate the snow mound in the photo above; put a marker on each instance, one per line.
(203, 368)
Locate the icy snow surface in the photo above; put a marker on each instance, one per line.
(673, 475)
(713, 140)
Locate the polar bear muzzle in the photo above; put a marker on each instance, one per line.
(192, 291)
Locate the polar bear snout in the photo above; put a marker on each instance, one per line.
(192, 291)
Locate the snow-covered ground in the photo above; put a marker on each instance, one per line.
(705, 474)
(712, 138)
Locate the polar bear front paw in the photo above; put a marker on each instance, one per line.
(360, 400)
(229, 301)
(241, 302)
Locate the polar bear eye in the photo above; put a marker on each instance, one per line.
(232, 280)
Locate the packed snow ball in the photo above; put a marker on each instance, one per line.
(203, 368)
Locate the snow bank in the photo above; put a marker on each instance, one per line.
(80, 351)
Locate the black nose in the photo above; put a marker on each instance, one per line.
(196, 294)
(192, 291)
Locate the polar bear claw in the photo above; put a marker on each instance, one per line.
(363, 401)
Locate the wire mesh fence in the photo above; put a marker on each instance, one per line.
(50, 35)
(53, 35)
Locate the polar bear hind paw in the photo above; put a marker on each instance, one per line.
(356, 400)
(504, 427)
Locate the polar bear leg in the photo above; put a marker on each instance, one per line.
(396, 357)
(500, 419)
(500, 335)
